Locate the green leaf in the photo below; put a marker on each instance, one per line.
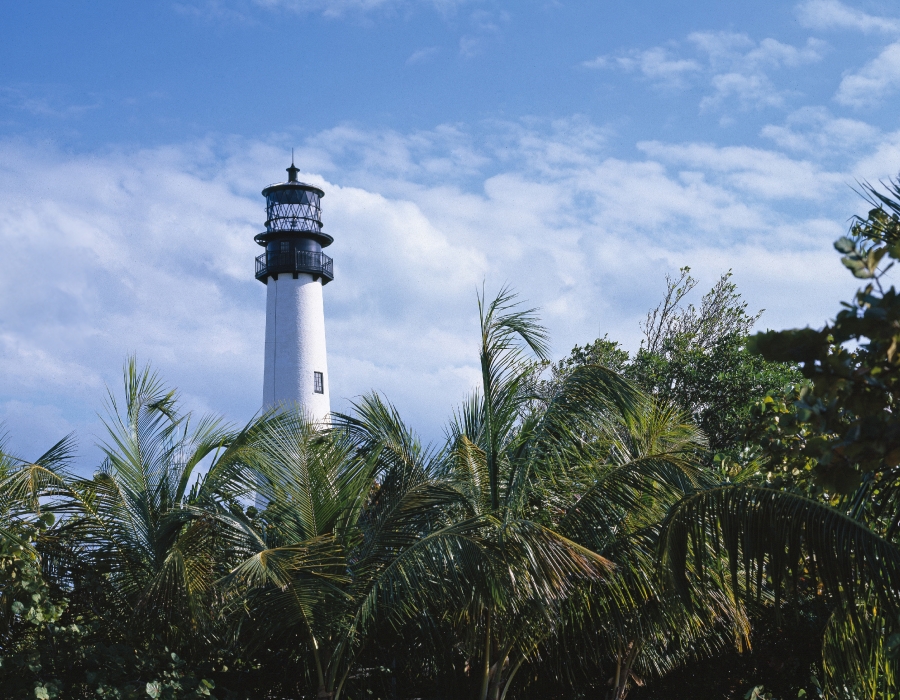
(857, 266)
(837, 477)
(844, 245)
(801, 345)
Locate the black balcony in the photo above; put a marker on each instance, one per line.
(294, 261)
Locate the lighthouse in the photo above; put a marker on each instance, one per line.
(294, 270)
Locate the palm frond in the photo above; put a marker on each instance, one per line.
(376, 426)
(859, 653)
(506, 332)
(761, 529)
(626, 498)
(24, 484)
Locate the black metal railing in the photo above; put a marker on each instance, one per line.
(274, 263)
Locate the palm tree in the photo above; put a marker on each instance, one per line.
(146, 535)
(531, 532)
(597, 452)
(630, 621)
(765, 542)
(452, 536)
(343, 506)
(502, 458)
(178, 554)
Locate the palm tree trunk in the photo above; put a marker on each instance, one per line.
(323, 691)
(512, 674)
(624, 661)
(336, 666)
(486, 677)
(496, 674)
(340, 686)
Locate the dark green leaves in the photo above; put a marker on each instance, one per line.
(804, 345)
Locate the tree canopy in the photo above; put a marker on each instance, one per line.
(833, 517)
(586, 527)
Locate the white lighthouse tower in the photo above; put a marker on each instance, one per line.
(294, 270)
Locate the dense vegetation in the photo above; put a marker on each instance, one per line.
(605, 526)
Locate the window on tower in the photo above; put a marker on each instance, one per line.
(318, 382)
(285, 247)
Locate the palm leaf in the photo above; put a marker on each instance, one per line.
(859, 653)
(759, 527)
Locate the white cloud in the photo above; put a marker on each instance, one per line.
(150, 251)
(421, 55)
(755, 90)
(485, 29)
(832, 14)
(43, 102)
(883, 162)
(735, 66)
(470, 46)
(239, 11)
(599, 62)
(656, 64)
(870, 85)
(721, 45)
(815, 131)
(729, 50)
(775, 53)
(432, 156)
(331, 8)
(20, 419)
(755, 171)
(740, 67)
(213, 11)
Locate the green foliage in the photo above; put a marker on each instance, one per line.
(25, 598)
(842, 427)
(697, 359)
(28, 609)
(860, 650)
(845, 421)
(531, 530)
(518, 559)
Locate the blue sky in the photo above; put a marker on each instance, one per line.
(578, 151)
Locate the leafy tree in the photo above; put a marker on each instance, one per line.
(140, 541)
(29, 609)
(697, 359)
(845, 421)
(552, 493)
(841, 427)
(521, 550)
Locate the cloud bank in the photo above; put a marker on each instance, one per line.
(151, 252)
(832, 14)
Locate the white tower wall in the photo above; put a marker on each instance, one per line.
(295, 345)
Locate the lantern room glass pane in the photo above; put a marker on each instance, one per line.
(293, 209)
